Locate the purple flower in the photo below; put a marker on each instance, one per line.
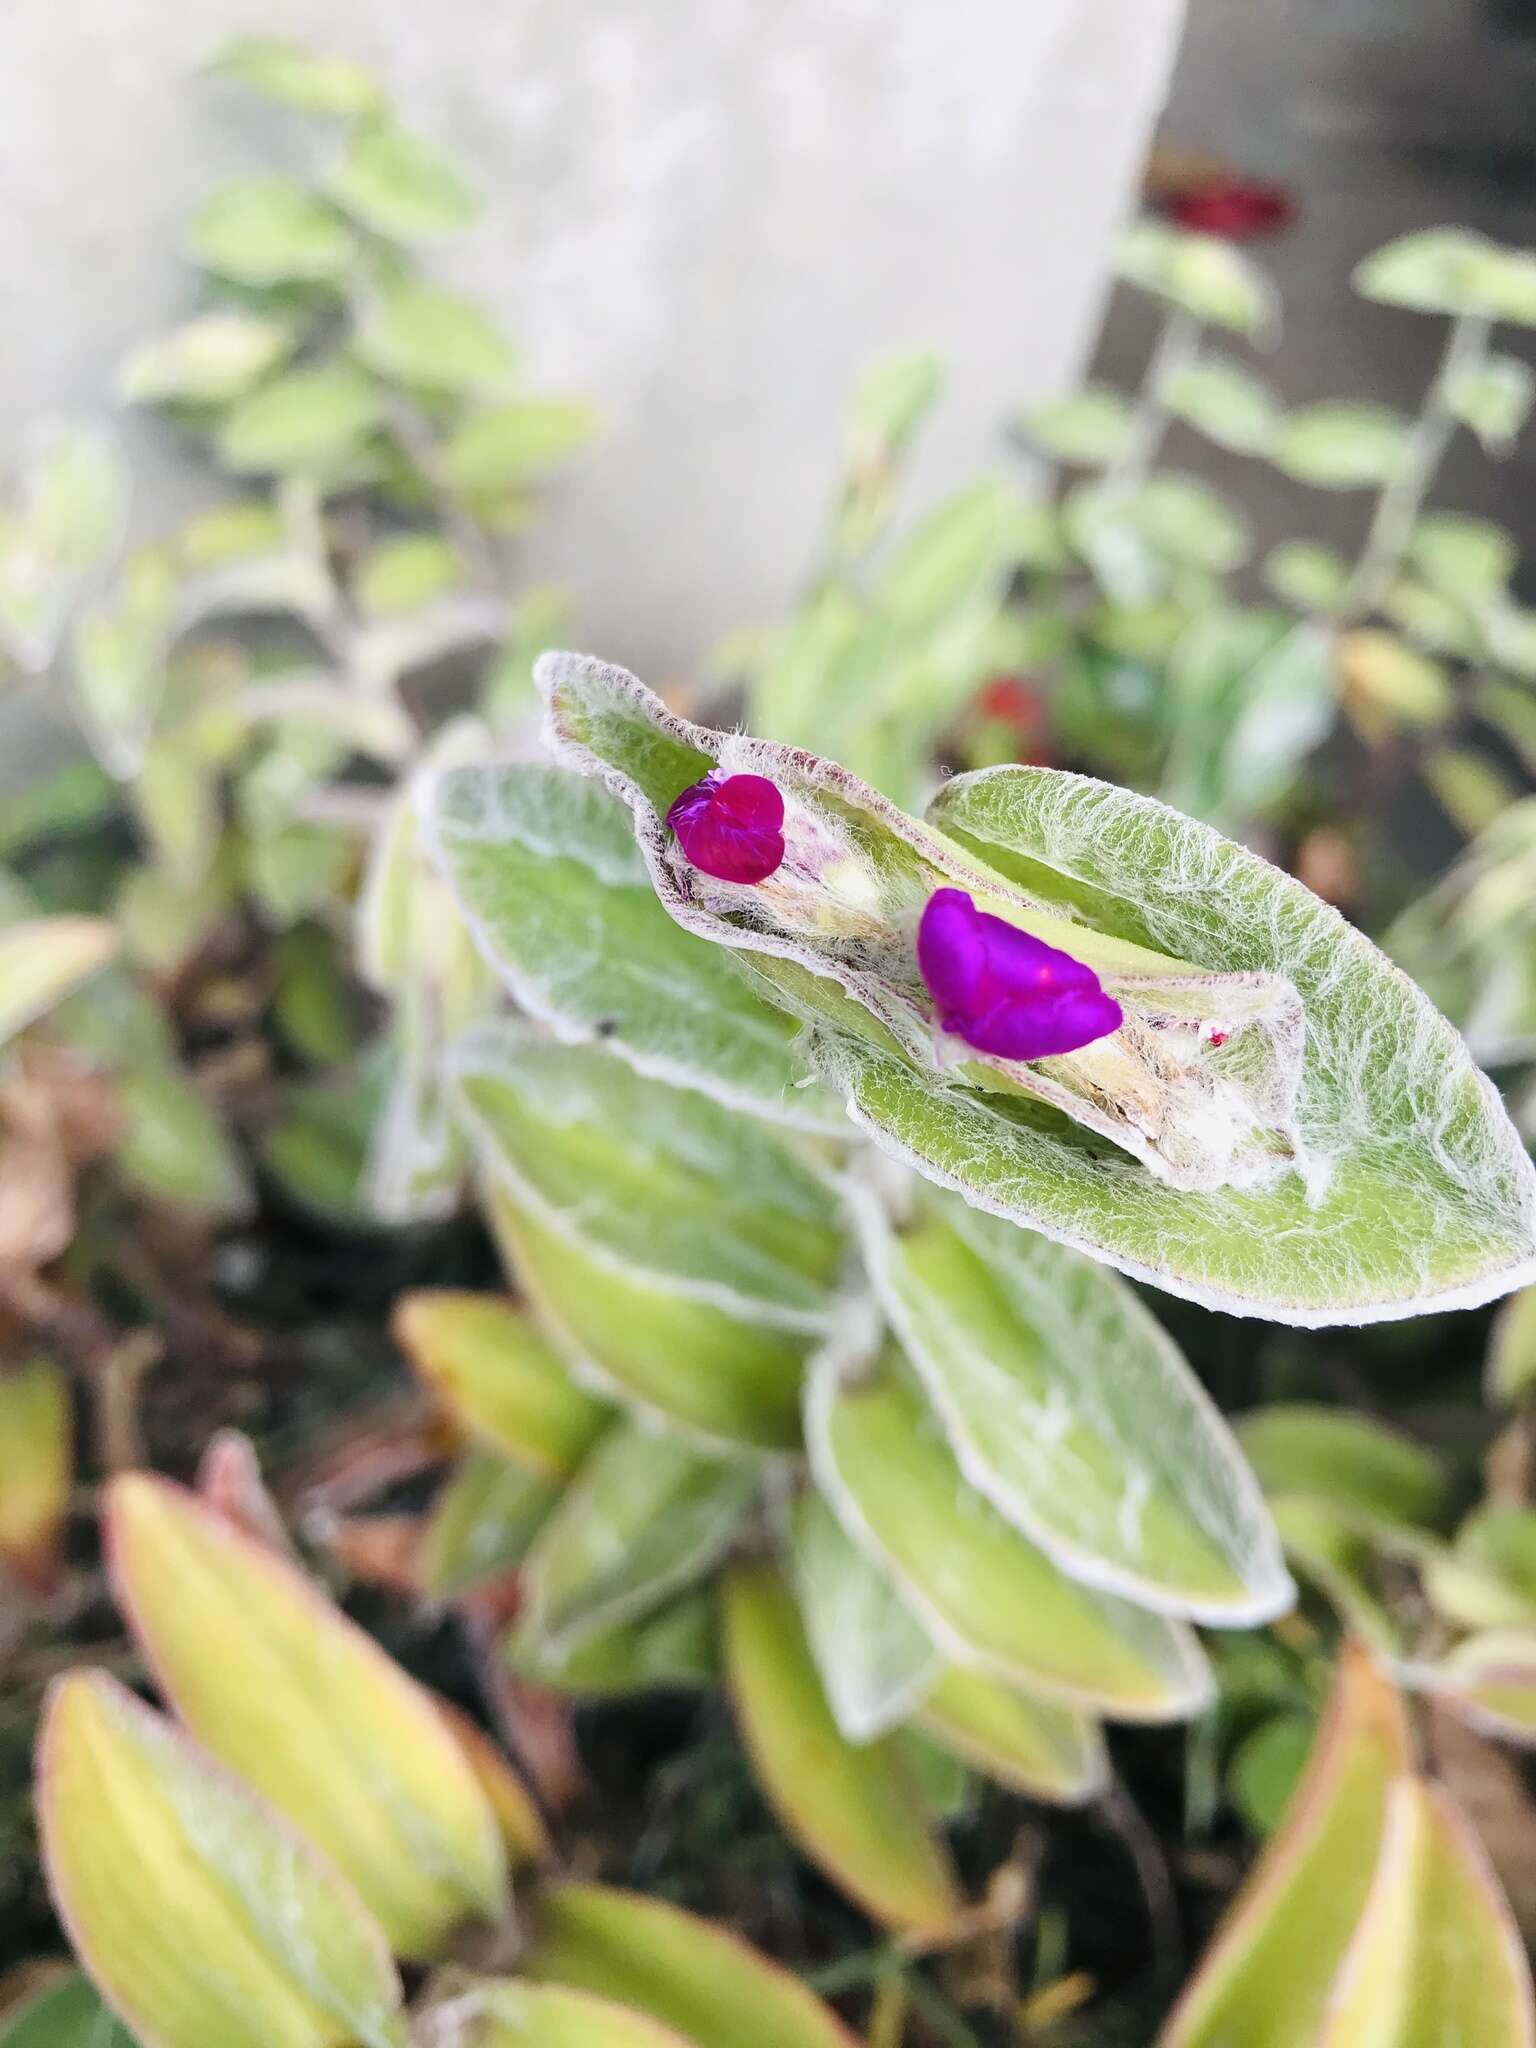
(1004, 992)
(731, 826)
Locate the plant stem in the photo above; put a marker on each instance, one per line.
(1397, 509)
(1174, 351)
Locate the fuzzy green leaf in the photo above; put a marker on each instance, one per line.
(987, 1595)
(539, 859)
(1043, 1368)
(661, 1180)
(645, 1517)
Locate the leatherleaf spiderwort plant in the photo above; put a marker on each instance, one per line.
(811, 1386)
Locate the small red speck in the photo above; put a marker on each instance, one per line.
(1219, 1037)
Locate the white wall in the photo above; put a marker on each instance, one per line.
(708, 213)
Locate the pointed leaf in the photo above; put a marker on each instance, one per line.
(508, 2015)
(517, 1815)
(43, 959)
(1437, 1961)
(284, 1689)
(731, 1383)
(875, 1660)
(1490, 1679)
(645, 1517)
(986, 1594)
(1266, 1978)
(1043, 1369)
(1042, 1751)
(199, 1914)
(499, 1376)
(661, 1180)
(539, 859)
(482, 1522)
(672, 1648)
(37, 1457)
(686, 1972)
(119, 660)
(1333, 1454)
(856, 1812)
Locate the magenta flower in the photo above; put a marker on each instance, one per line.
(731, 826)
(1004, 992)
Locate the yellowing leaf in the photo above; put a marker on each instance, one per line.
(856, 1812)
(200, 1915)
(508, 2015)
(1436, 1961)
(36, 1465)
(1266, 1979)
(400, 185)
(1044, 1751)
(287, 1691)
(517, 1815)
(684, 1971)
(42, 959)
(498, 1376)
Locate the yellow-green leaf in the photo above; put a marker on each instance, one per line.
(1436, 1961)
(498, 1376)
(725, 1380)
(42, 959)
(201, 1916)
(269, 230)
(1044, 1751)
(482, 1522)
(989, 1597)
(36, 1466)
(314, 81)
(508, 2015)
(208, 360)
(1511, 1368)
(307, 422)
(435, 339)
(1365, 1466)
(684, 1971)
(287, 1691)
(1265, 1981)
(517, 1814)
(855, 1811)
(643, 1518)
(401, 185)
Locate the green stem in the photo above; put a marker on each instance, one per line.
(1398, 507)
(1175, 351)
